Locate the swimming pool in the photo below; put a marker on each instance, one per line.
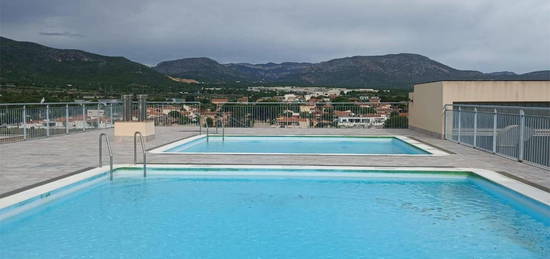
(281, 212)
(319, 145)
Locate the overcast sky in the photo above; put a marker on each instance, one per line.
(485, 35)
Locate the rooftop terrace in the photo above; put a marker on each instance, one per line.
(31, 162)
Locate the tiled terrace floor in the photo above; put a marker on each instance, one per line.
(30, 162)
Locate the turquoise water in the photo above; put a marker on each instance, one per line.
(299, 145)
(175, 216)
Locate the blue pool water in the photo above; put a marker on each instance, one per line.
(299, 145)
(451, 216)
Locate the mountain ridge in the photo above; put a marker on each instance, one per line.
(29, 63)
(380, 71)
(36, 64)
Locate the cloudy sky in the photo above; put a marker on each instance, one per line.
(485, 35)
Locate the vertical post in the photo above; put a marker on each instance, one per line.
(83, 117)
(98, 120)
(475, 126)
(207, 133)
(24, 122)
(111, 114)
(459, 122)
(445, 122)
(127, 107)
(495, 131)
(142, 107)
(47, 119)
(200, 125)
(521, 133)
(66, 118)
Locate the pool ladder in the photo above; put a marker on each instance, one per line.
(218, 122)
(136, 134)
(110, 153)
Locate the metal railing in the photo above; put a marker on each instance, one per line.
(186, 114)
(309, 115)
(22, 121)
(142, 150)
(101, 136)
(25, 121)
(520, 133)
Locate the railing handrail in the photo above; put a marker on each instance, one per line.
(518, 136)
(110, 153)
(143, 151)
(498, 106)
(83, 103)
(306, 102)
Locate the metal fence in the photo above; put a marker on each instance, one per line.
(307, 115)
(31, 120)
(22, 121)
(520, 133)
(185, 114)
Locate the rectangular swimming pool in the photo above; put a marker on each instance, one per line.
(322, 145)
(276, 212)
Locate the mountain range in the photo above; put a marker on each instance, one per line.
(385, 71)
(31, 63)
(34, 64)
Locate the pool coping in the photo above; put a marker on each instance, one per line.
(431, 150)
(21, 201)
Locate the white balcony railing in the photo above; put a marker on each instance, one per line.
(520, 133)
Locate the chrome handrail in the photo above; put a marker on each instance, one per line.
(223, 128)
(110, 153)
(207, 132)
(143, 151)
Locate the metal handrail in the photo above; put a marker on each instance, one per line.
(110, 153)
(223, 127)
(207, 131)
(143, 151)
(498, 106)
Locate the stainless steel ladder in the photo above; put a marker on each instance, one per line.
(110, 153)
(142, 150)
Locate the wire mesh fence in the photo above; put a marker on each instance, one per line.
(520, 133)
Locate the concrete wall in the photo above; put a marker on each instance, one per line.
(426, 107)
(428, 100)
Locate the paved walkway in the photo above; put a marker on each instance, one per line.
(26, 163)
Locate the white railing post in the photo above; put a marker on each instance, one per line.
(47, 120)
(66, 118)
(459, 122)
(24, 122)
(83, 117)
(475, 127)
(521, 134)
(97, 120)
(495, 131)
(444, 122)
(111, 114)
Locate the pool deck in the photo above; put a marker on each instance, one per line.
(31, 162)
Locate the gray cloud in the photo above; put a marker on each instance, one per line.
(486, 35)
(61, 34)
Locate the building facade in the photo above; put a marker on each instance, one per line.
(427, 101)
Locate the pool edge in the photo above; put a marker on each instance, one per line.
(429, 149)
(44, 190)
